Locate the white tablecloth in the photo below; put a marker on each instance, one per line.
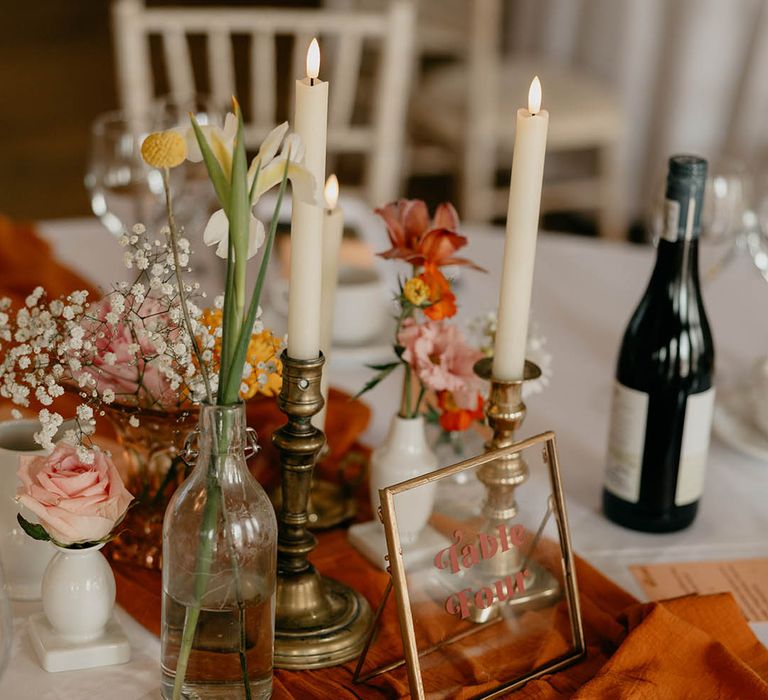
(583, 295)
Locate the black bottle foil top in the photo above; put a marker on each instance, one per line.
(686, 179)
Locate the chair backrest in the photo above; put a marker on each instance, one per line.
(442, 23)
(344, 37)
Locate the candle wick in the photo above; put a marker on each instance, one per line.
(311, 81)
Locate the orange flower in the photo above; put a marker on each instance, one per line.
(263, 357)
(419, 241)
(453, 418)
(443, 300)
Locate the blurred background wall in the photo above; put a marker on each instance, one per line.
(689, 75)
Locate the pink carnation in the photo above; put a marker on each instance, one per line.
(442, 359)
(118, 364)
(75, 502)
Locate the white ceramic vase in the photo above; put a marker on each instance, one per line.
(404, 454)
(78, 593)
(24, 559)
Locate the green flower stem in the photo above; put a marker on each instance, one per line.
(232, 388)
(204, 564)
(173, 233)
(214, 500)
(406, 404)
(238, 594)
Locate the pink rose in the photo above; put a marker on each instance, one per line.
(442, 359)
(75, 502)
(125, 357)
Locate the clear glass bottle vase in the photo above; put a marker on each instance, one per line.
(219, 565)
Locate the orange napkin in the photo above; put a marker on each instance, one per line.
(26, 261)
(138, 590)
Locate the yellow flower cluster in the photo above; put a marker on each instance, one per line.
(416, 291)
(164, 149)
(263, 356)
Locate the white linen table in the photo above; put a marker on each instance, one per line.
(584, 291)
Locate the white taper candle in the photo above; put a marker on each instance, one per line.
(520, 244)
(304, 299)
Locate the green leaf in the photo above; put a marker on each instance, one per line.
(232, 388)
(432, 415)
(36, 532)
(212, 165)
(383, 374)
(239, 201)
(388, 366)
(225, 357)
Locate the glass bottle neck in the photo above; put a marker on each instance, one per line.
(677, 263)
(221, 440)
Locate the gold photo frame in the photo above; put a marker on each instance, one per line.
(551, 590)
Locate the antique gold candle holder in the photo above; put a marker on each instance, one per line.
(318, 621)
(505, 411)
(330, 503)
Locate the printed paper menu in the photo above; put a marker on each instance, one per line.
(746, 579)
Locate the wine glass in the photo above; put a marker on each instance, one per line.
(196, 199)
(756, 223)
(726, 202)
(123, 189)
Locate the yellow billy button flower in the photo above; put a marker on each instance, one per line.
(164, 149)
(416, 291)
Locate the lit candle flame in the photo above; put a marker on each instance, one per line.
(331, 192)
(534, 95)
(313, 59)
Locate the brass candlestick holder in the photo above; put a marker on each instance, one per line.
(505, 411)
(330, 503)
(318, 621)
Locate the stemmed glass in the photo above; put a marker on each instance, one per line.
(123, 189)
(724, 217)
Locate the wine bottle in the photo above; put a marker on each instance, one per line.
(663, 396)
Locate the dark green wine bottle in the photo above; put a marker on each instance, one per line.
(663, 396)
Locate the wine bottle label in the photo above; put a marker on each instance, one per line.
(693, 452)
(625, 442)
(671, 220)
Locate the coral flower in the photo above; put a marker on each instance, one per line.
(442, 359)
(443, 300)
(453, 418)
(420, 241)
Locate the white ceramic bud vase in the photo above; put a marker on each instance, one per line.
(78, 593)
(76, 629)
(404, 454)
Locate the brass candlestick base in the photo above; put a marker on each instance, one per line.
(505, 411)
(318, 621)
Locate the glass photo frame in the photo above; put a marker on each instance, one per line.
(492, 601)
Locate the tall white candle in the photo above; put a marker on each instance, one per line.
(333, 229)
(520, 244)
(311, 123)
